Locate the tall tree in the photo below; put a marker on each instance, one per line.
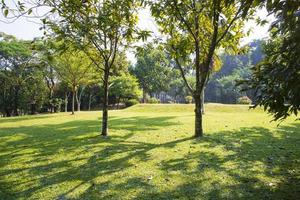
(15, 57)
(100, 29)
(194, 30)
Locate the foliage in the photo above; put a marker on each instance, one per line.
(189, 99)
(194, 31)
(153, 100)
(152, 69)
(21, 79)
(276, 80)
(244, 100)
(125, 87)
(56, 104)
(131, 102)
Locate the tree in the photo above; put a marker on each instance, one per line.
(125, 87)
(15, 57)
(74, 68)
(100, 29)
(152, 70)
(276, 79)
(194, 31)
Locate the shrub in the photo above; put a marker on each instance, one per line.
(56, 104)
(153, 100)
(244, 100)
(188, 99)
(131, 102)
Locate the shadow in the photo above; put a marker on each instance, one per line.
(26, 117)
(249, 163)
(79, 141)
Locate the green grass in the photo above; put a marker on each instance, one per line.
(150, 154)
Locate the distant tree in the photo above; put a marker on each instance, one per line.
(15, 57)
(125, 87)
(152, 69)
(74, 68)
(194, 31)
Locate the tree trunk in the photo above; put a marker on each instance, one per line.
(202, 102)
(105, 103)
(198, 116)
(90, 101)
(73, 100)
(144, 96)
(78, 101)
(16, 102)
(118, 103)
(66, 102)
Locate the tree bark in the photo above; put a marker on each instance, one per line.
(202, 102)
(73, 100)
(78, 101)
(66, 101)
(90, 101)
(198, 116)
(104, 131)
(16, 101)
(144, 96)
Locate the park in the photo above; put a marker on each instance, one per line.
(134, 99)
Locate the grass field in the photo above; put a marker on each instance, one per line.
(150, 154)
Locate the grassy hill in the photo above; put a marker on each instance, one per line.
(150, 154)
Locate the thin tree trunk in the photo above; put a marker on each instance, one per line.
(78, 101)
(90, 101)
(66, 101)
(118, 103)
(73, 100)
(144, 96)
(105, 103)
(16, 102)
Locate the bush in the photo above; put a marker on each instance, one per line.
(131, 102)
(153, 100)
(188, 99)
(244, 100)
(56, 104)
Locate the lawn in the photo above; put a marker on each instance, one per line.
(150, 154)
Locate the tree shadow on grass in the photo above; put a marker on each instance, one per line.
(259, 165)
(253, 158)
(43, 143)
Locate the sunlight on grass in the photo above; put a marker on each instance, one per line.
(150, 153)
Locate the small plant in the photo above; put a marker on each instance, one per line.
(153, 100)
(131, 102)
(244, 100)
(189, 99)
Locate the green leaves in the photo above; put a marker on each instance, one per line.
(5, 12)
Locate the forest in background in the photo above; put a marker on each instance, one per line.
(38, 77)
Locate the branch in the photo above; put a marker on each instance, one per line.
(188, 26)
(183, 76)
(230, 24)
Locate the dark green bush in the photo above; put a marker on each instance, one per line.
(131, 102)
(153, 100)
(188, 99)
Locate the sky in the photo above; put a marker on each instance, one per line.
(28, 29)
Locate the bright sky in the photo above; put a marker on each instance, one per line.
(29, 28)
